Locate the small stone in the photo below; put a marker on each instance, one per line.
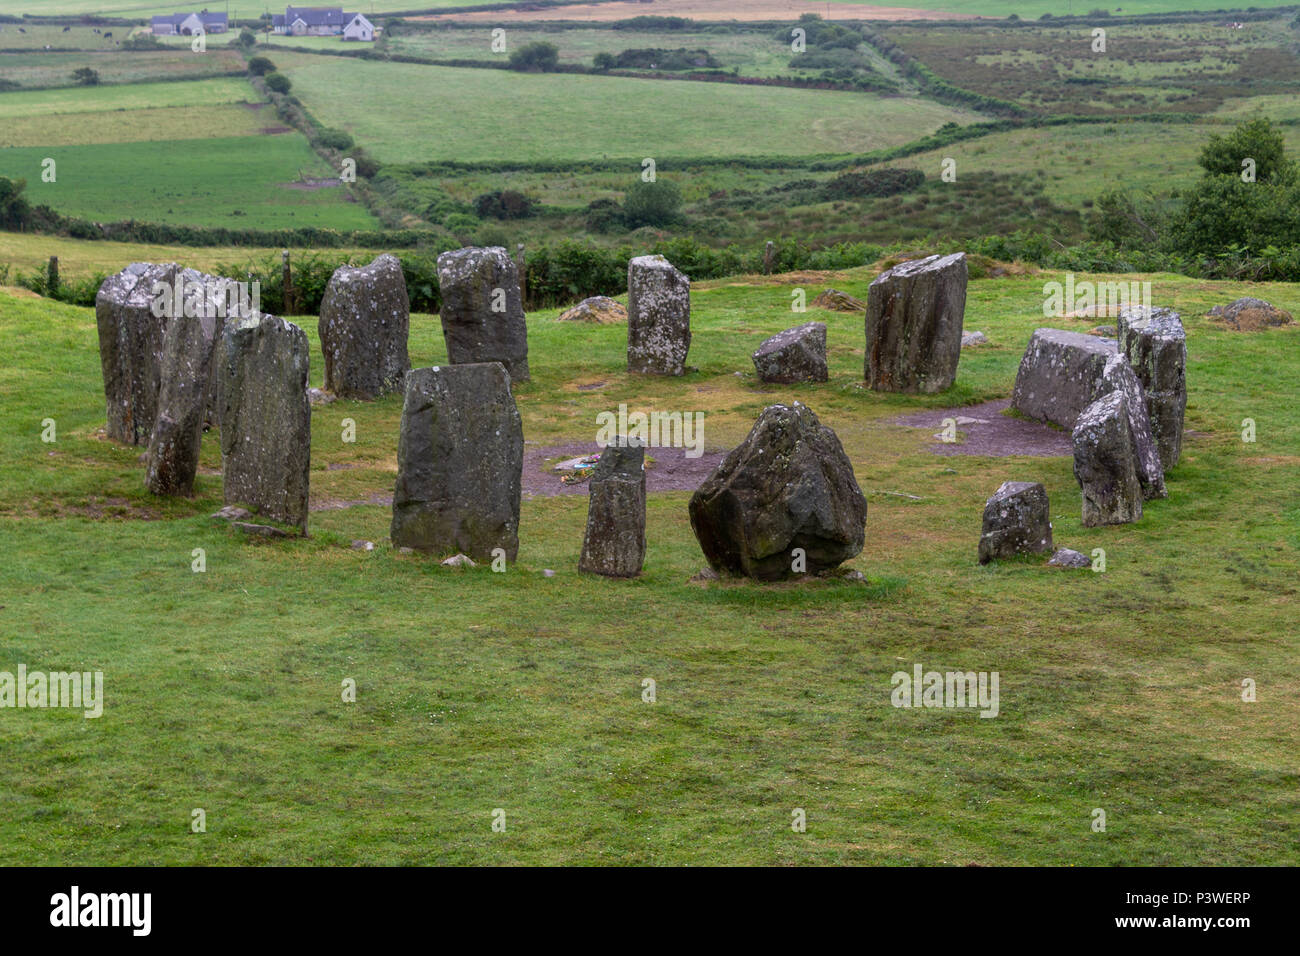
(599, 309)
(795, 355)
(705, 574)
(837, 301)
(1065, 558)
(263, 530)
(460, 561)
(318, 396)
(547, 573)
(231, 513)
(1017, 520)
(363, 545)
(1250, 315)
(972, 339)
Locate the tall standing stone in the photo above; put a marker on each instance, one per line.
(788, 487)
(1105, 463)
(365, 318)
(131, 335)
(914, 321)
(1155, 344)
(1058, 373)
(1118, 376)
(482, 313)
(614, 544)
(177, 435)
(1017, 520)
(266, 417)
(658, 317)
(460, 457)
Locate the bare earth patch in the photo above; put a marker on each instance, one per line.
(991, 433)
(310, 184)
(707, 10)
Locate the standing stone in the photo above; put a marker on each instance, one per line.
(1057, 375)
(658, 317)
(482, 314)
(914, 318)
(1155, 344)
(177, 436)
(266, 417)
(460, 458)
(795, 355)
(364, 320)
(1118, 376)
(789, 485)
(130, 348)
(614, 544)
(1017, 520)
(1105, 463)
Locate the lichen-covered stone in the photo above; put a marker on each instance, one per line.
(1057, 374)
(658, 317)
(789, 485)
(1067, 558)
(1017, 520)
(1118, 376)
(1155, 344)
(914, 322)
(1250, 315)
(130, 348)
(614, 543)
(482, 313)
(599, 309)
(1105, 463)
(365, 319)
(266, 417)
(460, 456)
(795, 355)
(177, 435)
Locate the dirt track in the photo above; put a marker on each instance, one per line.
(706, 10)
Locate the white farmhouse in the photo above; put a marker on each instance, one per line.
(359, 28)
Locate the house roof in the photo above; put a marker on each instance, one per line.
(317, 16)
(207, 19)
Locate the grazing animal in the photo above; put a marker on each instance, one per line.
(108, 34)
(22, 29)
(66, 29)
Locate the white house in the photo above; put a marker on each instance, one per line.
(187, 24)
(359, 28)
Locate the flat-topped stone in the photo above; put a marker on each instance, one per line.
(914, 325)
(1057, 374)
(795, 355)
(482, 313)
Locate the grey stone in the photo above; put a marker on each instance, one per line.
(362, 545)
(971, 339)
(482, 314)
(1155, 344)
(459, 561)
(1066, 558)
(1017, 520)
(1105, 463)
(460, 458)
(1249, 314)
(599, 309)
(795, 355)
(614, 543)
(789, 485)
(1057, 374)
(231, 513)
(365, 318)
(837, 301)
(658, 317)
(914, 325)
(1118, 376)
(266, 417)
(130, 348)
(177, 435)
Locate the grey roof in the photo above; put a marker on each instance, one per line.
(317, 16)
(207, 19)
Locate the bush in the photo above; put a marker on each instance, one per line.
(504, 204)
(604, 215)
(334, 139)
(603, 61)
(247, 38)
(659, 59)
(873, 183)
(142, 41)
(652, 204)
(461, 225)
(85, 76)
(536, 57)
(260, 66)
(277, 82)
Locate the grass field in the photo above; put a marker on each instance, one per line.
(55, 69)
(122, 99)
(408, 113)
(479, 691)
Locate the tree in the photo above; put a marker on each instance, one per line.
(260, 66)
(1254, 139)
(13, 207)
(85, 76)
(603, 61)
(652, 204)
(247, 38)
(536, 57)
(277, 82)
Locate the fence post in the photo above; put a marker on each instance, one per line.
(287, 283)
(52, 275)
(523, 278)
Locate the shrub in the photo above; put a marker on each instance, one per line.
(535, 57)
(277, 82)
(603, 61)
(85, 76)
(260, 66)
(877, 182)
(504, 204)
(652, 204)
(335, 139)
(247, 38)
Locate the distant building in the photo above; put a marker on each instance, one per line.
(359, 28)
(186, 24)
(320, 22)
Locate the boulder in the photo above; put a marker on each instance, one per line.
(1017, 520)
(1118, 376)
(971, 339)
(482, 313)
(600, 309)
(1156, 346)
(177, 435)
(1057, 374)
(1250, 315)
(795, 355)
(1066, 558)
(658, 317)
(460, 456)
(131, 335)
(614, 544)
(914, 319)
(365, 317)
(266, 417)
(1105, 463)
(837, 301)
(789, 485)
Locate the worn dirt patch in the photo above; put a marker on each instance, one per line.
(671, 471)
(707, 10)
(275, 130)
(993, 434)
(310, 184)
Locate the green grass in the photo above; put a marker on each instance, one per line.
(91, 99)
(480, 691)
(55, 69)
(171, 123)
(227, 181)
(408, 113)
